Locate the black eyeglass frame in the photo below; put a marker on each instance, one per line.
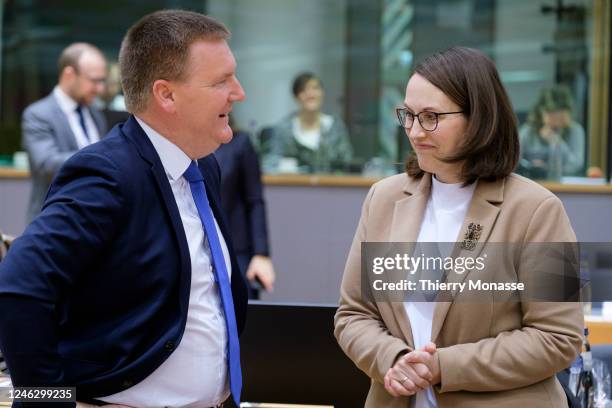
(403, 111)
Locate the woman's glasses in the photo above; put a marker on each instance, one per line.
(427, 119)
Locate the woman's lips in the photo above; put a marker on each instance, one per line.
(420, 146)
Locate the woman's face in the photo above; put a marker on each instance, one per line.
(557, 120)
(430, 146)
(311, 97)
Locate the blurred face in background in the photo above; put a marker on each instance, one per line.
(430, 146)
(310, 98)
(557, 120)
(87, 80)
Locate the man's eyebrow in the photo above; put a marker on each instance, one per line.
(225, 76)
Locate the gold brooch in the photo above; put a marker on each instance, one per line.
(471, 237)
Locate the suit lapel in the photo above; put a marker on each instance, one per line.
(482, 212)
(407, 217)
(134, 132)
(63, 127)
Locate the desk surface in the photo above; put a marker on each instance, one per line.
(324, 180)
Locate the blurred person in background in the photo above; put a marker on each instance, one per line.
(318, 142)
(552, 143)
(243, 202)
(57, 126)
(112, 99)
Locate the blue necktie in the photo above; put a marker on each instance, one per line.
(79, 111)
(196, 182)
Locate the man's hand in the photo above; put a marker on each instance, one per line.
(413, 372)
(261, 267)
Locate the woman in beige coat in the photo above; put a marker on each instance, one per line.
(459, 186)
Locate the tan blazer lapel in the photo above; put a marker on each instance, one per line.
(482, 212)
(407, 217)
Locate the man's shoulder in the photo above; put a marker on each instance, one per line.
(114, 147)
(240, 143)
(41, 108)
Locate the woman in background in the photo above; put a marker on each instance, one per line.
(317, 141)
(552, 143)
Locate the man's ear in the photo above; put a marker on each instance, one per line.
(68, 73)
(163, 95)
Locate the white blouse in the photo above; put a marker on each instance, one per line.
(446, 209)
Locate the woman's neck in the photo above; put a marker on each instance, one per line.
(309, 120)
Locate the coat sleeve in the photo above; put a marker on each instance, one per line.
(359, 328)
(550, 337)
(83, 210)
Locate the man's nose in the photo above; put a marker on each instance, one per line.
(238, 94)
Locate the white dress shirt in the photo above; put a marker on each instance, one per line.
(69, 106)
(196, 373)
(444, 215)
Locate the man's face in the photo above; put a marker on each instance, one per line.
(88, 80)
(204, 98)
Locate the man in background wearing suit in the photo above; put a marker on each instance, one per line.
(243, 202)
(126, 284)
(57, 126)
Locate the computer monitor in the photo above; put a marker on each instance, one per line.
(290, 355)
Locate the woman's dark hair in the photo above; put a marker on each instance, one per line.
(300, 81)
(469, 78)
(552, 99)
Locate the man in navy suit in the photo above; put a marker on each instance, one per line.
(243, 203)
(117, 288)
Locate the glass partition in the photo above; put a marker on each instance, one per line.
(553, 56)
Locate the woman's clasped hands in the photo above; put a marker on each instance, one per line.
(414, 372)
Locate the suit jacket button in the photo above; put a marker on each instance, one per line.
(169, 345)
(127, 384)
